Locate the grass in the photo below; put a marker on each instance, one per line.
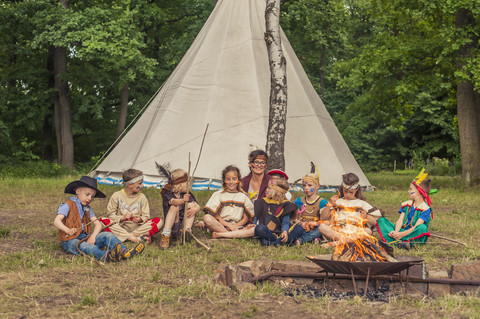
(38, 279)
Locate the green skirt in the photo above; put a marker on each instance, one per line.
(418, 236)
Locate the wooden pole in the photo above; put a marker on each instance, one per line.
(449, 239)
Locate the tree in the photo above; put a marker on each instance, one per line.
(278, 87)
(468, 99)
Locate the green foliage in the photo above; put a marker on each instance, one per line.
(20, 169)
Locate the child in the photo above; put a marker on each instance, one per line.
(279, 174)
(273, 214)
(129, 209)
(415, 214)
(309, 208)
(349, 213)
(228, 209)
(175, 197)
(74, 218)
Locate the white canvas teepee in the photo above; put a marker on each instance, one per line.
(224, 80)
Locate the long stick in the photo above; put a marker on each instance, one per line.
(198, 241)
(184, 223)
(201, 148)
(449, 239)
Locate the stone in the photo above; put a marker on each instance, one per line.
(468, 271)
(438, 274)
(256, 267)
(438, 290)
(295, 266)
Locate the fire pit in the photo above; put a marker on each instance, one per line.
(364, 268)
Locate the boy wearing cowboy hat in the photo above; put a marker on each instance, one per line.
(74, 219)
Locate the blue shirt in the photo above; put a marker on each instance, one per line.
(63, 209)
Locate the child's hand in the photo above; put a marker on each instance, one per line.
(250, 226)
(233, 227)
(333, 200)
(91, 240)
(137, 219)
(395, 234)
(186, 198)
(71, 231)
(127, 216)
(284, 237)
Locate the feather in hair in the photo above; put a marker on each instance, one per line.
(164, 170)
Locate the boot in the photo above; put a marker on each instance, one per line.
(165, 241)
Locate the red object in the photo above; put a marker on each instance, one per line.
(278, 171)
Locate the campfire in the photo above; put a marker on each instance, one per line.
(354, 244)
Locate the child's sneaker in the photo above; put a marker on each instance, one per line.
(127, 254)
(298, 242)
(165, 241)
(317, 241)
(114, 254)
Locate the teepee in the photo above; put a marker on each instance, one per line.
(224, 80)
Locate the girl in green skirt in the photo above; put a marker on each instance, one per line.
(415, 214)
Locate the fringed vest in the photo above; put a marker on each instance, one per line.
(311, 212)
(73, 220)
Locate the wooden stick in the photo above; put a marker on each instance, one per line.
(198, 241)
(201, 148)
(449, 239)
(184, 223)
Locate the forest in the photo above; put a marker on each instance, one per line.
(399, 78)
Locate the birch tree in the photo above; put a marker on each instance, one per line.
(278, 88)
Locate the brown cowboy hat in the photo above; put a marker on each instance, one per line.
(84, 181)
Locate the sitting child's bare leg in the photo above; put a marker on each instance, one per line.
(192, 209)
(213, 224)
(241, 233)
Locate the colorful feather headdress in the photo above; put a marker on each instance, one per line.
(314, 176)
(419, 179)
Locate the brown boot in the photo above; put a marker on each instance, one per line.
(165, 241)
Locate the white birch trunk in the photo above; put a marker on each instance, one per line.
(278, 88)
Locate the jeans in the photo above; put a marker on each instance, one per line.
(268, 238)
(104, 239)
(311, 235)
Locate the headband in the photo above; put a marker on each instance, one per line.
(355, 186)
(423, 193)
(278, 188)
(180, 180)
(309, 178)
(134, 180)
(251, 159)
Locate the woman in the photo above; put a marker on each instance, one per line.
(255, 183)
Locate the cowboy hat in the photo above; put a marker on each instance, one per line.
(84, 181)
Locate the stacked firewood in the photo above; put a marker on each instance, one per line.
(368, 249)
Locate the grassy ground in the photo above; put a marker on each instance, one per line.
(37, 279)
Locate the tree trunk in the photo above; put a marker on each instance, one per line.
(278, 88)
(48, 126)
(63, 117)
(122, 117)
(468, 110)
